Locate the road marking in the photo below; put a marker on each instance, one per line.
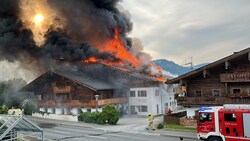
(153, 134)
(61, 132)
(96, 137)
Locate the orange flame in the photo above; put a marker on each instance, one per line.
(159, 78)
(112, 65)
(91, 60)
(116, 47)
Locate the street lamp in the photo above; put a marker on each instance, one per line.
(96, 99)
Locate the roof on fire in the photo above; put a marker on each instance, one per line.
(81, 78)
(222, 61)
(76, 76)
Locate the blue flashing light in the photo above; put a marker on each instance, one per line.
(202, 109)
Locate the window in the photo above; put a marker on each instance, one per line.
(143, 109)
(132, 94)
(236, 91)
(248, 91)
(205, 117)
(132, 110)
(216, 92)
(79, 111)
(157, 92)
(166, 104)
(197, 93)
(230, 117)
(88, 97)
(67, 83)
(142, 93)
(53, 110)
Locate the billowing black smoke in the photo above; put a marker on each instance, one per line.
(14, 40)
(85, 23)
(91, 19)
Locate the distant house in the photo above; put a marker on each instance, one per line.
(226, 81)
(69, 92)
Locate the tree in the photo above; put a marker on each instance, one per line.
(29, 106)
(3, 109)
(9, 94)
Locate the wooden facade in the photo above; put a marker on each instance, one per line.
(226, 81)
(53, 90)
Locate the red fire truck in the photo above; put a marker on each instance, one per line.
(224, 123)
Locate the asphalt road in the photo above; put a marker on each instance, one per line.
(74, 133)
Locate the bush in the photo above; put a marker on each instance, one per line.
(160, 126)
(108, 115)
(89, 117)
(4, 109)
(29, 106)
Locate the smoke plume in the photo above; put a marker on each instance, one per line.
(37, 33)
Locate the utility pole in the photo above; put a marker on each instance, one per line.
(96, 99)
(189, 62)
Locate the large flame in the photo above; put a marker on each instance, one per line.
(115, 47)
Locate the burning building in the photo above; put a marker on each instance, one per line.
(88, 36)
(72, 91)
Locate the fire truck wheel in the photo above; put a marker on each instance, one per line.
(214, 139)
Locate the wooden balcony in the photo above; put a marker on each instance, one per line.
(216, 101)
(64, 90)
(103, 102)
(68, 103)
(77, 103)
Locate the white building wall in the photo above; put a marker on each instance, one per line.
(168, 98)
(59, 111)
(150, 101)
(74, 111)
(42, 109)
(165, 99)
(92, 109)
(191, 112)
(50, 110)
(84, 109)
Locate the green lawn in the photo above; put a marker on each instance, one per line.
(180, 128)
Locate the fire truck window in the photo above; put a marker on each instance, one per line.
(205, 117)
(230, 117)
(227, 130)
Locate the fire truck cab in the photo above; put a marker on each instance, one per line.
(225, 123)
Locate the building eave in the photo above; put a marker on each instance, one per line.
(209, 66)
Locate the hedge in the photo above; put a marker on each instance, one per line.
(108, 115)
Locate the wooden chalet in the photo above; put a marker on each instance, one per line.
(226, 81)
(57, 90)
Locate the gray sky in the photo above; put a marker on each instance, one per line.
(207, 30)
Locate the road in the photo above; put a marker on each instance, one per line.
(74, 133)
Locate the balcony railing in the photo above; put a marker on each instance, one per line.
(67, 103)
(77, 103)
(102, 102)
(66, 89)
(185, 101)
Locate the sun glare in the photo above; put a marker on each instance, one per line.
(38, 18)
